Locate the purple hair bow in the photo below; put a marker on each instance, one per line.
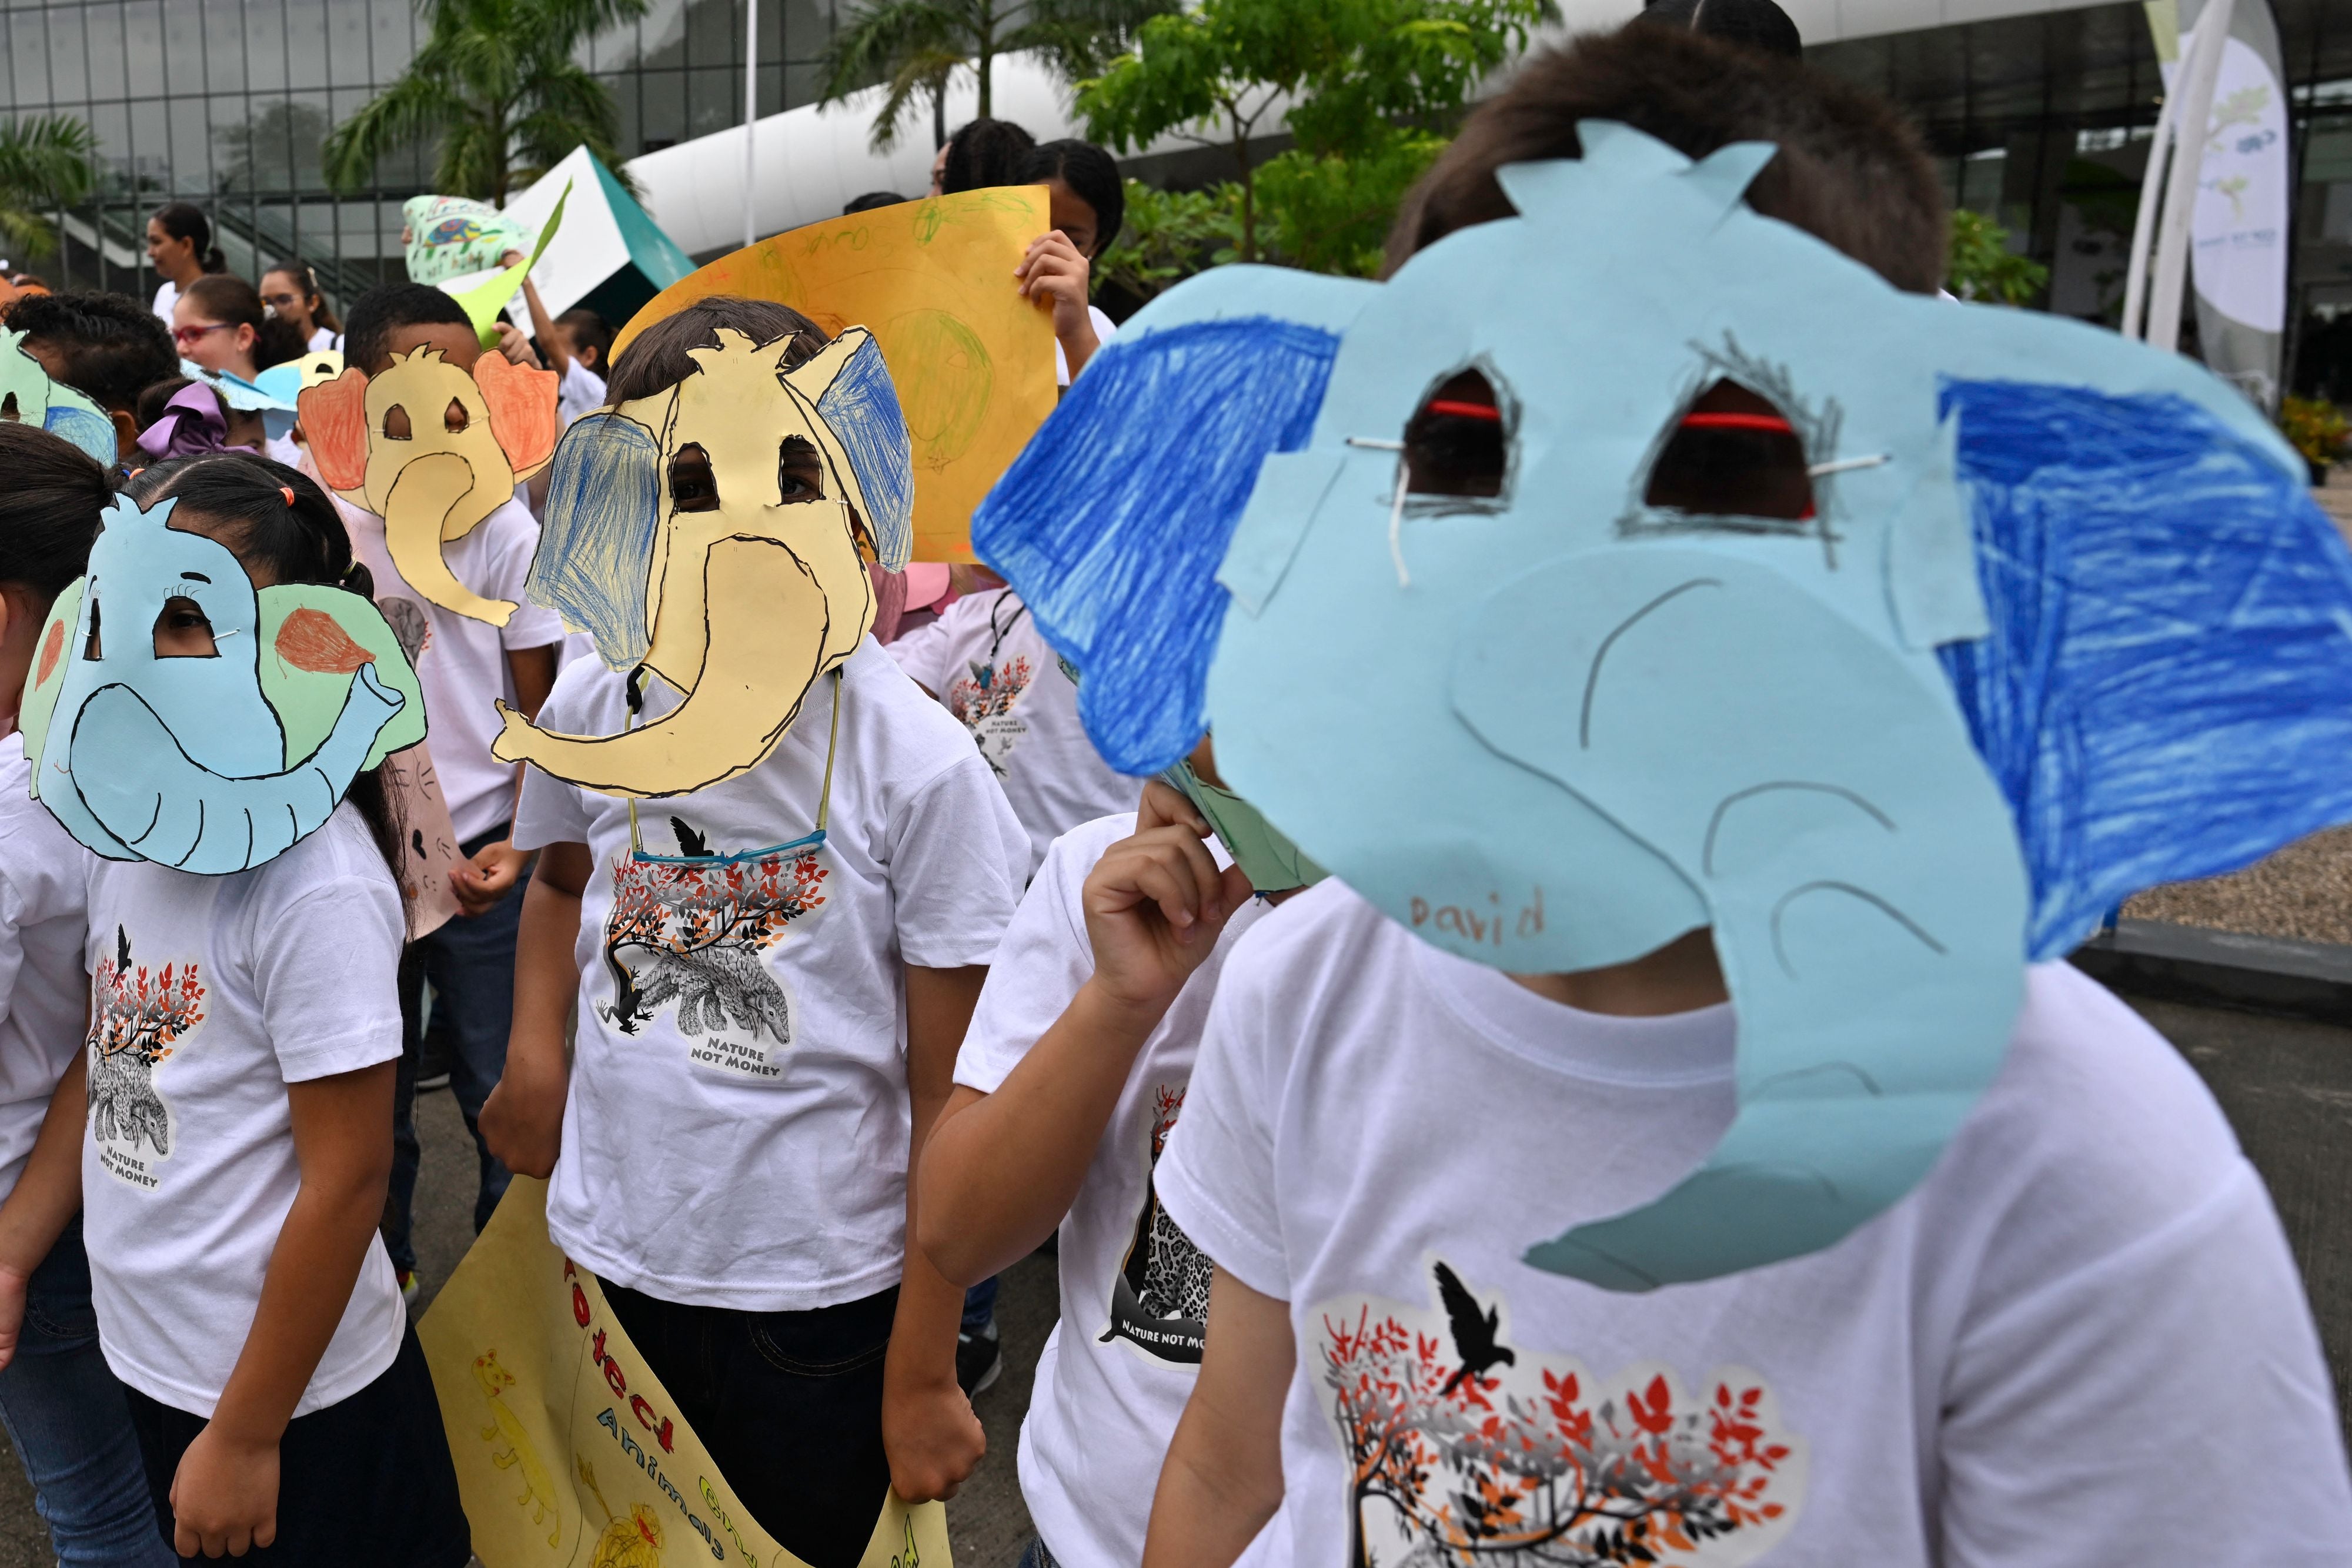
(190, 423)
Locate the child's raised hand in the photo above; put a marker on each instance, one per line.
(1054, 271)
(225, 1495)
(1155, 905)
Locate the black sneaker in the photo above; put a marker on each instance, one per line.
(980, 1359)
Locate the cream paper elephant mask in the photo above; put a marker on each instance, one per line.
(679, 540)
(216, 764)
(432, 451)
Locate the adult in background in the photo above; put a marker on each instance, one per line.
(180, 248)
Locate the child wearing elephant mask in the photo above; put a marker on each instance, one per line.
(468, 665)
(213, 714)
(1721, 679)
(771, 876)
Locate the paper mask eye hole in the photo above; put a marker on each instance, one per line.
(454, 418)
(92, 648)
(396, 424)
(8, 410)
(693, 487)
(800, 471)
(1733, 454)
(1456, 444)
(183, 631)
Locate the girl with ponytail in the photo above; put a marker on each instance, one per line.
(180, 248)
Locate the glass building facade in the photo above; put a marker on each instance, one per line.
(225, 103)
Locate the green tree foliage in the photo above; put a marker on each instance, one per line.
(45, 165)
(1357, 76)
(1332, 214)
(1168, 236)
(916, 45)
(1983, 267)
(495, 85)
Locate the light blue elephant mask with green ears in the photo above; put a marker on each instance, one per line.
(1640, 564)
(210, 765)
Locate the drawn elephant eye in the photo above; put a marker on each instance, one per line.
(693, 487)
(454, 418)
(396, 424)
(800, 471)
(183, 631)
(1733, 454)
(1456, 444)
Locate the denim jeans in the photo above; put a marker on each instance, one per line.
(1036, 1555)
(789, 1406)
(470, 962)
(980, 1306)
(72, 1426)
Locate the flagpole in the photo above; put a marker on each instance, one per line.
(751, 116)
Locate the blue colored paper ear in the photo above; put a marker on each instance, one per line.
(595, 563)
(860, 409)
(1114, 520)
(2167, 691)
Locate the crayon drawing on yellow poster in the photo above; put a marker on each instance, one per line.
(932, 279)
(568, 1452)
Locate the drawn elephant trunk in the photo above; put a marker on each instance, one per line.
(767, 615)
(177, 813)
(1876, 960)
(434, 500)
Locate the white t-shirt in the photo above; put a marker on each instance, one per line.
(1134, 1290)
(236, 987)
(168, 295)
(42, 905)
(997, 674)
(580, 391)
(2081, 1339)
(462, 663)
(323, 338)
(1105, 329)
(736, 1130)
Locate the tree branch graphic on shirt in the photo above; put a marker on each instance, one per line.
(984, 702)
(1160, 1296)
(136, 1019)
(695, 939)
(1464, 1451)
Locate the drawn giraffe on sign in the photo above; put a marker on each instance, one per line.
(537, 1486)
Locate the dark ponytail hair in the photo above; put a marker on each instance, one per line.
(984, 152)
(239, 303)
(186, 220)
(279, 524)
(306, 283)
(1092, 175)
(49, 510)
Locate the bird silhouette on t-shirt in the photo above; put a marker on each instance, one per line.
(122, 951)
(689, 842)
(1474, 1332)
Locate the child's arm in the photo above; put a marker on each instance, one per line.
(224, 1496)
(488, 877)
(1001, 1169)
(47, 1195)
(523, 1121)
(542, 325)
(1054, 273)
(1222, 1478)
(932, 1437)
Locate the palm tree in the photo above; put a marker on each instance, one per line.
(496, 83)
(44, 165)
(915, 45)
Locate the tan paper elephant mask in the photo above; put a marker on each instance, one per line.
(682, 538)
(432, 451)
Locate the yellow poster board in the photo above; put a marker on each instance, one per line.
(972, 361)
(568, 1450)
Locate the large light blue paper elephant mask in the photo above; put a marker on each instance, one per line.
(2008, 619)
(210, 765)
